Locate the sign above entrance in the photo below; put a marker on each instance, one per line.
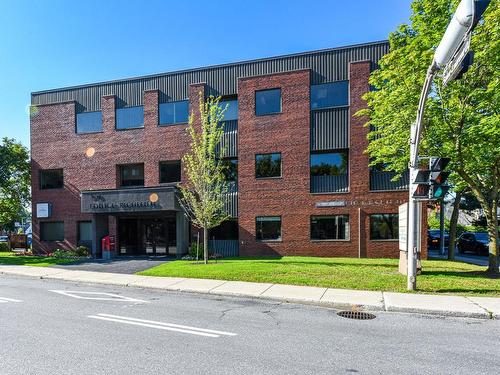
(130, 200)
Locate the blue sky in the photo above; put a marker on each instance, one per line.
(53, 43)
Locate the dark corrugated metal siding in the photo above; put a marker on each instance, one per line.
(231, 204)
(382, 180)
(329, 184)
(330, 129)
(326, 66)
(226, 248)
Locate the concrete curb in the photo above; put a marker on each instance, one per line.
(442, 305)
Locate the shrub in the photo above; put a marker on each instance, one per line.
(4, 246)
(82, 251)
(196, 251)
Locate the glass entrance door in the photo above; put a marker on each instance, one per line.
(154, 237)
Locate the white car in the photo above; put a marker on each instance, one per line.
(4, 238)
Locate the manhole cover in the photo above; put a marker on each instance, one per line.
(360, 315)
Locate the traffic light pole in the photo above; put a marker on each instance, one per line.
(413, 206)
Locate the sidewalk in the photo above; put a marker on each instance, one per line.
(472, 307)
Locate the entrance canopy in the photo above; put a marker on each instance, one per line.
(130, 200)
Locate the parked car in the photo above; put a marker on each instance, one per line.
(4, 238)
(475, 242)
(434, 238)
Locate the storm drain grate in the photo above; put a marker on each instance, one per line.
(359, 315)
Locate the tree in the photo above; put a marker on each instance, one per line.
(14, 181)
(462, 119)
(203, 196)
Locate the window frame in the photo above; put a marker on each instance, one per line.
(348, 236)
(280, 239)
(268, 113)
(42, 223)
(382, 239)
(173, 123)
(131, 128)
(269, 177)
(90, 132)
(334, 106)
(51, 188)
(120, 176)
(169, 162)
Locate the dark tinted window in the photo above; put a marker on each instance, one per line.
(231, 169)
(170, 171)
(268, 228)
(330, 227)
(329, 164)
(84, 231)
(174, 112)
(131, 175)
(334, 94)
(231, 111)
(130, 117)
(384, 227)
(89, 122)
(228, 230)
(52, 231)
(51, 179)
(267, 102)
(267, 165)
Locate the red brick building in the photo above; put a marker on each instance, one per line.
(106, 160)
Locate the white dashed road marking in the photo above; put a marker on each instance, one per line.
(98, 296)
(161, 325)
(5, 300)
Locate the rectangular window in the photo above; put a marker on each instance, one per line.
(130, 118)
(384, 227)
(51, 179)
(131, 175)
(84, 231)
(89, 122)
(170, 171)
(267, 165)
(329, 172)
(328, 95)
(231, 111)
(335, 227)
(174, 112)
(267, 102)
(230, 169)
(268, 228)
(52, 231)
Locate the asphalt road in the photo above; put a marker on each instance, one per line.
(51, 327)
(122, 264)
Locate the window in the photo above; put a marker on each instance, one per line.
(170, 171)
(327, 95)
(227, 230)
(89, 122)
(85, 233)
(230, 169)
(131, 175)
(268, 228)
(384, 227)
(329, 164)
(231, 111)
(267, 102)
(52, 231)
(267, 165)
(335, 227)
(174, 112)
(130, 118)
(51, 179)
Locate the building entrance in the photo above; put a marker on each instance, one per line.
(147, 236)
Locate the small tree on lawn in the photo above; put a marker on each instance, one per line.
(203, 195)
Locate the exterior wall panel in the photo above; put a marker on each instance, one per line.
(330, 129)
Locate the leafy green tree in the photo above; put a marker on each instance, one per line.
(462, 119)
(15, 172)
(203, 195)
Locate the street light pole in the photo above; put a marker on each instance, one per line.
(449, 55)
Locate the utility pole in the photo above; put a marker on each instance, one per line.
(441, 227)
(452, 55)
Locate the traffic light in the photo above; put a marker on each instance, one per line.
(437, 178)
(420, 185)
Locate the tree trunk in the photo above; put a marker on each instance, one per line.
(492, 225)
(205, 245)
(453, 225)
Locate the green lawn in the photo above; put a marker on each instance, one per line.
(22, 260)
(438, 276)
